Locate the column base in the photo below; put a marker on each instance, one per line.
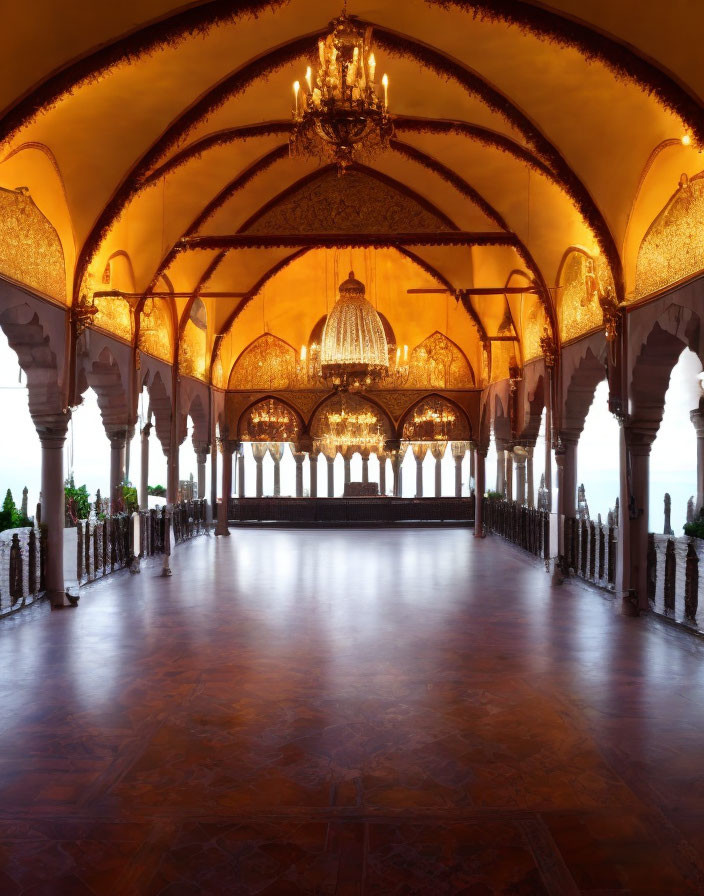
(59, 599)
(166, 568)
(222, 530)
(558, 575)
(629, 604)
(135, 566)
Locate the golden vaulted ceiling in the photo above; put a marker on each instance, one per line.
(146, 134)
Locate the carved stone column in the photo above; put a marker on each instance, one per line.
(118, 439)
(347, 458)
(420, 449)
(508, 454)
(530, 496)
(240, 472)
(259, 450)
(51, 429)
(559, 570)
(639, 441)
(276, 450)
(298, 458)
(472, 467)
(458, 451)
(382, 473)
(365, 466)
(500, 470)
(520, 458)
(313, 471)
(567, 498)
(144, 468)
(213, 479)
(201, 449)
(437, 449)
(331, 476)
(228, 447)
(697, 418)
(480, 488)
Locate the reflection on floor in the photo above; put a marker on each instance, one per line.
(345, 712)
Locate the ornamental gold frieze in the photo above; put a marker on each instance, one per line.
(673, 247)
(30, 248)
(359, 203)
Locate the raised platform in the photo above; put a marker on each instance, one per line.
(351, 510)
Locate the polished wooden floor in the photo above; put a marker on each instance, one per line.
(344, 712)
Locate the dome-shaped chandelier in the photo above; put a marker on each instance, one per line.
(337, 113)
(354, 352)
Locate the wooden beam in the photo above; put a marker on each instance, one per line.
(118, 294)
(458, 238)
(480, 291)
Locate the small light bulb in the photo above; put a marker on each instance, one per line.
(686, 139)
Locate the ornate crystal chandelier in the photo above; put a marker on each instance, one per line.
(433, 421)
(338, 114)
(357, 430)
(354, 352)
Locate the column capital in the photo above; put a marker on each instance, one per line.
(201, 447)
(229, 446)
(697, 418)
(146, 429)
(640, 438)
(52, 428)
(117, 434)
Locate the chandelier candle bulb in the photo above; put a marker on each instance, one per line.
(372, 66)
(296, 88)
(309, 81)
(405, 354)
(385, 82)
(304, 352)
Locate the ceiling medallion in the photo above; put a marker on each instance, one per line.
(354, 352)
(338, 115)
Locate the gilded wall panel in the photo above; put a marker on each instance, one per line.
(534, 322)
(192, 353)
(583, 279)
(437, 363)
(155, 329)
(115, 316)
(268, 364)
(673, 247)
(356, 203)
(30, 248)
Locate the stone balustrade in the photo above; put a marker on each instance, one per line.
(675, 585)
(21, 567)
(523, 526)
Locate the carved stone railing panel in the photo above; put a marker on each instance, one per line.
(590, 551)
(676, 578)
(526, 527)
(22, 552)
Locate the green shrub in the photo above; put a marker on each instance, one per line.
(10, 516)
(129, 496)
(498, 495)
(158, 491)
(695, 529)
(77, 501)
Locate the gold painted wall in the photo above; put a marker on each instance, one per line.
(673, 247)
(156, 329)
(268, 364)
(583, 277)
(30, 248)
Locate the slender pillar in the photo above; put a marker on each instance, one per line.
(51, 429)
(382, 474)
(228, 447)
(331, 476)
(520, 460)
(365, 468)
(118, 440)
(213, 478)
(259, 477)
(530, 496)
(697, 418)
(472, 466)
(458, 475)
(437, 449)
(348, 472)
(480, 488)
(548, 437)
(568, 492)
(559, 569)
(201, 449)
(500, 470)
(640, 442)
(240, 472)
(172, 475)
(508, 455)
(298, 458)
(419, 477)
(397, 460)
(313, 471)
(277, 477)
(144, 468)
